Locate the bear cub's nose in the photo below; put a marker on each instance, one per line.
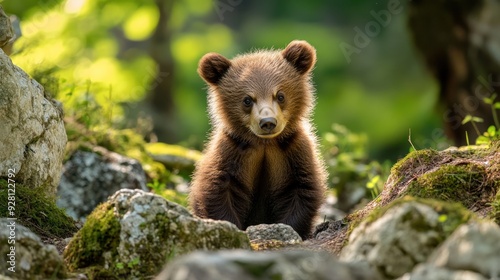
(267, 124)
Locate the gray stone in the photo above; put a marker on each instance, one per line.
(32, 259)
(474, 247)
(280, 232)
(430, 272)
(32, 133)
(148, 232)
(6, 30)
(394, 243)
(90, 178)
(247, 265)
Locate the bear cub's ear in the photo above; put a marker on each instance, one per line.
(301, 55)
(212, 67)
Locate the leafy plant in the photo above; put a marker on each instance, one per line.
(352, 175)
(493, 131)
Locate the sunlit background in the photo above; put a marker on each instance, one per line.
(110, 55)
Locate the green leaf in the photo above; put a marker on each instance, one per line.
(467, 119)
(482, 140)
(477, 119)
(442, 218)
(491, 99)
(492, 131)
(373, 182)
(497, 105)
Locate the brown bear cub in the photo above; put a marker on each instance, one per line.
(261, 165)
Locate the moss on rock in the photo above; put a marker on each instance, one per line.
(461, 183)
(469, 176)
(451, 214)
(135, 233)
(37, 211)
(99, 237)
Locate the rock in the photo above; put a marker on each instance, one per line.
(468, 175)
(6, 31)
(32, 259)
(32, 133)
(473, 247)
(426, 272)
(89, 178)
(279, 232)
(174, 156)
(265, 237)
(246, 265)
(10, 31)
(402, 235)
(134, 233)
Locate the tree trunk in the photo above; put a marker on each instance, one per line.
(160, 98)
(460, 42)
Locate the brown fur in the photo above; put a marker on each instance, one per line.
(249, 175)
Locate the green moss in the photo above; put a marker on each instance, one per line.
(37, 211)
(412, 161)
(495, 205)
(174, 150)
(451, 214)
(457, 183)
(99, 234)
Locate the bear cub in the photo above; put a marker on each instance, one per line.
(261, 164)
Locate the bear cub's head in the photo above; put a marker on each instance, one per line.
(261, 94)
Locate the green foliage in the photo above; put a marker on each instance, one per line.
(168, 193)
(346, 157)
(106, 42)
(493, 131)
(37, 211)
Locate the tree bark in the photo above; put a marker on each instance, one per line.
(460, 43)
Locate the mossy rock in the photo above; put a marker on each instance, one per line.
(395, 238)
(451, 214)
(37, 211)
(174, 156)
(122, 141)
(469, 176)
(98, 236)
(135, 233)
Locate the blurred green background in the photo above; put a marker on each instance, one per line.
(96, 55)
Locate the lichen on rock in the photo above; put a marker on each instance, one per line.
(32, 258)
(396, 238)
(32, 133)
(89, 178)
(135, 233)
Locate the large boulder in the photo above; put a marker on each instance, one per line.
(471, 252)
(32, 133)
(246, 265)
(134, 233)
(24, 256)
(403, 235)
(89, 178)
(469, 176)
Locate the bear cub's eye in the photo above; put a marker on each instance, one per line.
(280, 96)
(247, 101)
